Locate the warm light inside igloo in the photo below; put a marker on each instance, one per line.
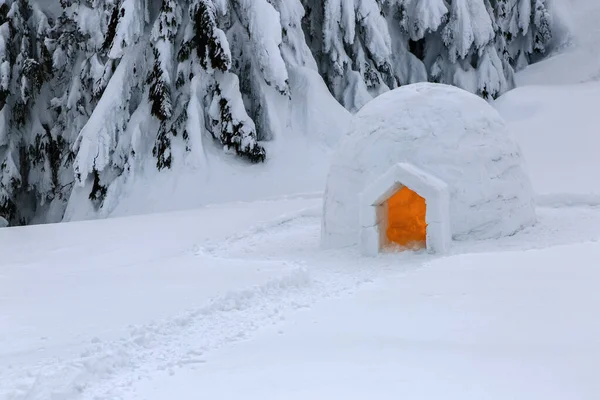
(407, 226)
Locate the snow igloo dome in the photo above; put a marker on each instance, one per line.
(423, 165)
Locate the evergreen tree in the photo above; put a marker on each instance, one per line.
(108, 86)
(205, 68)
(24, 66)
(10, 177)
(160, 79)
(115, 72)
(353, 47)
(369, 46)
(525, 28)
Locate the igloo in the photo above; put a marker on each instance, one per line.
(424, 165)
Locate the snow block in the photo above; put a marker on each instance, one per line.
(446, 144)
(368, 217)
(369, 241)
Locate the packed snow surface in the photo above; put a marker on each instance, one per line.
(557, 128)
(448, 133)
(115, 309)
(486, 326)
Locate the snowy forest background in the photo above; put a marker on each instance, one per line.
(94, 91)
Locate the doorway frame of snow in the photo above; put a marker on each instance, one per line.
(373, 208)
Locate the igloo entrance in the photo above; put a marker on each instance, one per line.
(406, 225)
(407, 207)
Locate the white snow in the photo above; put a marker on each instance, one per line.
(237, 300)
(141, 312)
(130, 27)
(297, 162)
(424, 16)
(67, 289)
(518, 325)
(149, 270)
(264, 30)
(471, 22)
(556, 127)
(447, 132)
(99, 137)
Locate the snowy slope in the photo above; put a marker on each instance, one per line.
(557, 128)
(554, 113)
(67, 288)
(491, 326)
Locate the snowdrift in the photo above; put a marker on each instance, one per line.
(297, 164)
(557, 129)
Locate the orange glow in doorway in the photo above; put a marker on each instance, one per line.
(406, 219)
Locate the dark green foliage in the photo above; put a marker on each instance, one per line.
(543, 32)
(20, 113)
(162, 148)
(236, 135)
(112, 27)
(160, 92)
(164, 33)
(166, 131)
(98, 192)
(206, 42)
(8, 209)
(34, 72)
(4, 9)
(54, 151)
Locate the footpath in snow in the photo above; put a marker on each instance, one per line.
(71, 306)
(518, 325)
(129, 332)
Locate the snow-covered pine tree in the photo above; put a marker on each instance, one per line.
(204, 74)
(48, 146)
(160, 79)
(91, 95)
(364, 47)
(115, 72)
(525, 27)
(68, 98)
(24, 154)
(207, 85)
(10, 177)
(353, 48)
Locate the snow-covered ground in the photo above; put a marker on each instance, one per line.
(121, 312)
(236, 300)
(557, 127)
(487, 326)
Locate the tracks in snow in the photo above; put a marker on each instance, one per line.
(107, 370)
